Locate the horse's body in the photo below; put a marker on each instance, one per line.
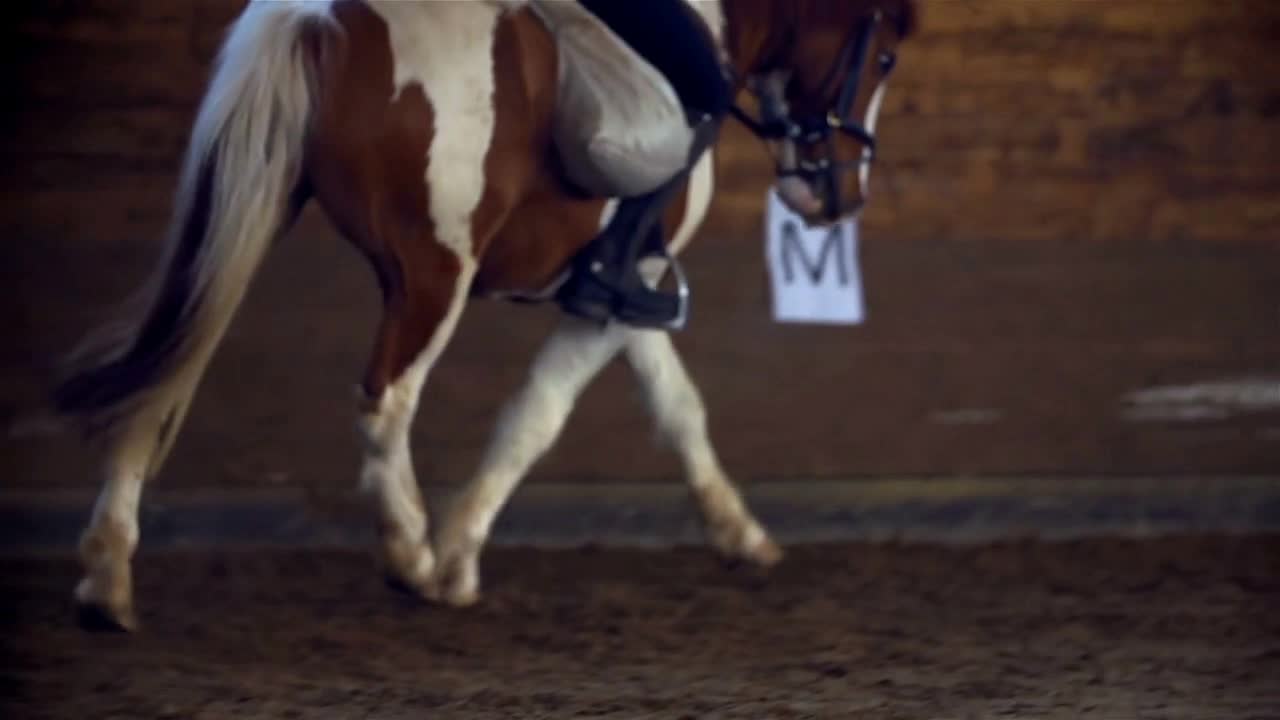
(422, 129)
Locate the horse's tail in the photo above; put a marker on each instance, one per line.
(241, 171)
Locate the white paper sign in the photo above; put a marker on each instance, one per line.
(814, 272)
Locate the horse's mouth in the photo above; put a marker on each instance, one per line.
(800, 197)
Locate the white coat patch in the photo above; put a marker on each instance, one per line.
(446, 48)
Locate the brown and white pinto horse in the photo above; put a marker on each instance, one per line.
(423, 130)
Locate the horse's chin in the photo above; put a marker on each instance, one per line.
(799, 197)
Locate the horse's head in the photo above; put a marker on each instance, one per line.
(818, 70)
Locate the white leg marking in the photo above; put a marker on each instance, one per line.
(529, 425)
(681, 417)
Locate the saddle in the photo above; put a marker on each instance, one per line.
(619, 128)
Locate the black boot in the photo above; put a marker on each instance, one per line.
(605, 282)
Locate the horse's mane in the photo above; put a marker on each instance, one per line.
(776, 21)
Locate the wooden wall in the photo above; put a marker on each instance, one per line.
(1076, 200)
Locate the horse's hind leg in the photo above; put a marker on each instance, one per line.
(105, 594)
(423, 305)
(529, 424)
(678, 409)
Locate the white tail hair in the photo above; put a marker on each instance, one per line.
(241, 169)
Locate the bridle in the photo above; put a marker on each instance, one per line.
(777, 123)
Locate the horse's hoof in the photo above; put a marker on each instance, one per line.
(454, 584)
(408, 568)
(98, 610)
(96, 618)
(402, 587)
(746, 544)
(766, 554)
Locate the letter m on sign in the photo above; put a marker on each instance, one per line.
(813, 271)
(831, 251)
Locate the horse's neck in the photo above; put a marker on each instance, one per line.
(753, 30)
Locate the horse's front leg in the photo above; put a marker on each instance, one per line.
(681, 417)
(530, 423)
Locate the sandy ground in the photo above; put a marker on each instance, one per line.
(1178, 628)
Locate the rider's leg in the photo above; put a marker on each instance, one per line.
(670, 35)
(605, 282)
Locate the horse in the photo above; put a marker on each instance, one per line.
(423, 132)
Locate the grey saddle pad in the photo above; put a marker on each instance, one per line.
(619, 127)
